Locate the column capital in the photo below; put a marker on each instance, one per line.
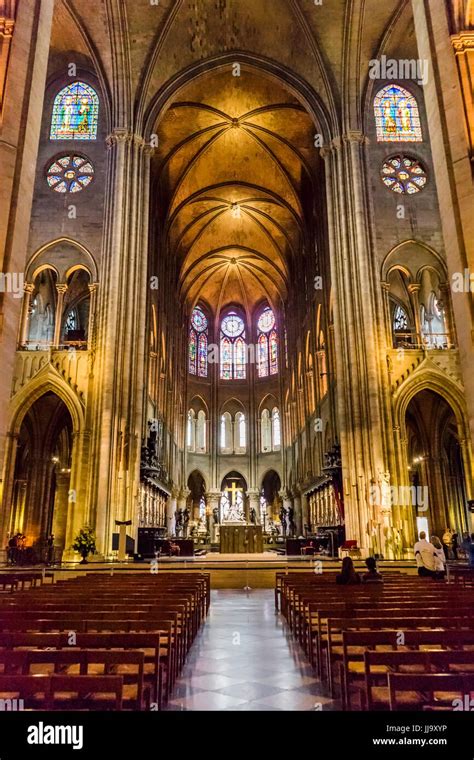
(463, 41)
(61, 287)
(385, 286)
(28, 287)
(93, 287)
(414, 287)
(355, 136)
(121, 136)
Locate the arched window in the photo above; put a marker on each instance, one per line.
(233, 354)
(201, 432)
(267, 344)
(266, 431)
(322, 366)
(197, 357)
(276, 429)
(400, 319)
(75, 113)
(226, 434)
(190, 431)
(240, 433)
(397, 118)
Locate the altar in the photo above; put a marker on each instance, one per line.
(239, 538)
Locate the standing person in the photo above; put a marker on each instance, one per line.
(470, 556)
(465, 544)
(50, 549)
(425, 557)
(439, 557)
(447, 541)
(455, 545)
(348, 574)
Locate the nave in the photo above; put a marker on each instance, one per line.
(245, 659)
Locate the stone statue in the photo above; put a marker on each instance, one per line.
(283, 520)
(253, 516)
(215, 515)
(185, 519)
(385, 491)
(178, 521)
(291, 521)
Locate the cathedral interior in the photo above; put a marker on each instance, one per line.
(237, 265)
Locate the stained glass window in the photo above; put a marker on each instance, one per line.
(400, 319)
(232, 326)
(233, 355)
(266, 321)
(192, 352)
(266, 431)
(239, 359)
(262, 355)
(273, 342)
(70, 174)
(198, 343)
(202, 355)
(198, 319)
(403, 175)
(71, 321)
(267, 344)
(226, 359)
(276, 430)
(241, 428)
(201, 432)
(397, 118)
(75, 113)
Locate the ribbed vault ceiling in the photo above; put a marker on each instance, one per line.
(236, 170)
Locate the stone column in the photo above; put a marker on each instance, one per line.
(58, 316)
(171, 506)
(22, 109)
(364, 404)
(299, 518)
(448, 315)
(25, 310)
(61, 505)
(182, 499)
(213, 500)
(414, 290)
(447, 44)
(386, 309)
(92, 306)
(119, 369)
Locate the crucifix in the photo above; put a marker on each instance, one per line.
(232, 492)
(235, 504)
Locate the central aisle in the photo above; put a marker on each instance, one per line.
(243, 659)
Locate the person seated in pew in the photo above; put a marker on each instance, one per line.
(348, 574)
(425, 557)
(372, 575)
(440, 557)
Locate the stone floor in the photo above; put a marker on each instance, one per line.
(245, 659)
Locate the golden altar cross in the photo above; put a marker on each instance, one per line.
(232, 492)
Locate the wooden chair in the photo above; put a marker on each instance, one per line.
(436, 691)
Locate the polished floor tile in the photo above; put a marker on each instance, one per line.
(245, 659)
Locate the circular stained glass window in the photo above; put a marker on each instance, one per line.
(232, 326)
(403, 175)
(70, 174)
(266, 321)
(198, 320)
